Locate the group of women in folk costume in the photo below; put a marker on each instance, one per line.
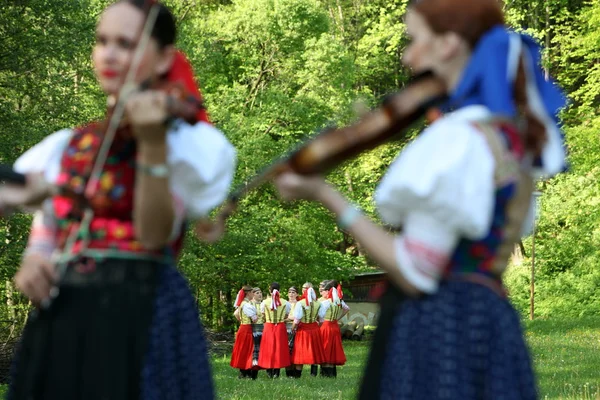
(293, 296)
(296, 332)
(332, 309)
(258, 344)
(114, 319)
(274, 351)
(244, 357)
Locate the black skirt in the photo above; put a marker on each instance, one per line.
(96, 339)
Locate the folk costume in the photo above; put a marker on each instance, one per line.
(290, 370)
(289, 324)
(243, 355)
(461, 215)
(274, 350)
(124, 324)
(331, 310)
(308, 344)
(257, 332)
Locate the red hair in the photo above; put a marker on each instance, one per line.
(468, 18)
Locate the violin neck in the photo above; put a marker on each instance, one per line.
(261, 178)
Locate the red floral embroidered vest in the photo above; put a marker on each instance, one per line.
(111, 232)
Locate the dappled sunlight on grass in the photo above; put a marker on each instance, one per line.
(344, 387)
(566, 356)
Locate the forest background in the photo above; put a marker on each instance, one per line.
(274, 72)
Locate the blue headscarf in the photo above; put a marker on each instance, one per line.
(488, 80)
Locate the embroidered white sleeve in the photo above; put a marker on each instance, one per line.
(250, 311)
(42, 238)
(298, 312)
(423, 250)
(448, 173)
(45, 156)
(323, 310)
(202, 164)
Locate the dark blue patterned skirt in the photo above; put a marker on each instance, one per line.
(127, 330)
(176, 364)
(464, 342)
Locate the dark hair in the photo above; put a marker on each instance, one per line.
(273, 286)
(471, 19)
(331, 284)
(164, 30)
(294, 288)
(247, 288)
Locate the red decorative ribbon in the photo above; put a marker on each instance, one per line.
(276, 301)
(240, 298)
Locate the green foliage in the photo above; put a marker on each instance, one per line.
(46, 84)
(274, 72)
(567, 256)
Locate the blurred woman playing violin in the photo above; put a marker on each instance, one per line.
(122, 323)
(460, 191)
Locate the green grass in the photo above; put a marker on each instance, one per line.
(307, 387)
(566, 356)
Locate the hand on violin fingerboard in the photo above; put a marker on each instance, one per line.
(147, 112)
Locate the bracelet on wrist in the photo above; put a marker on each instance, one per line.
(155, 170)
(350, 214)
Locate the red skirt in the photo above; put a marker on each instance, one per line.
(332, 343)
(241, 358)
(308, 345)
(274, 350)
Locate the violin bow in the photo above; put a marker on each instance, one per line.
(62, 258)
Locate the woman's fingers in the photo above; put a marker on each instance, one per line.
(147, 108)
(35, 278)
(293, 186)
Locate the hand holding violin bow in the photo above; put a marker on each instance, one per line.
(21, 190)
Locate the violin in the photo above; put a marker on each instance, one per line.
(180, 105)
(335, 145)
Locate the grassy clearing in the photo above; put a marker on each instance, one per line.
(566, 356)
(307, 387)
